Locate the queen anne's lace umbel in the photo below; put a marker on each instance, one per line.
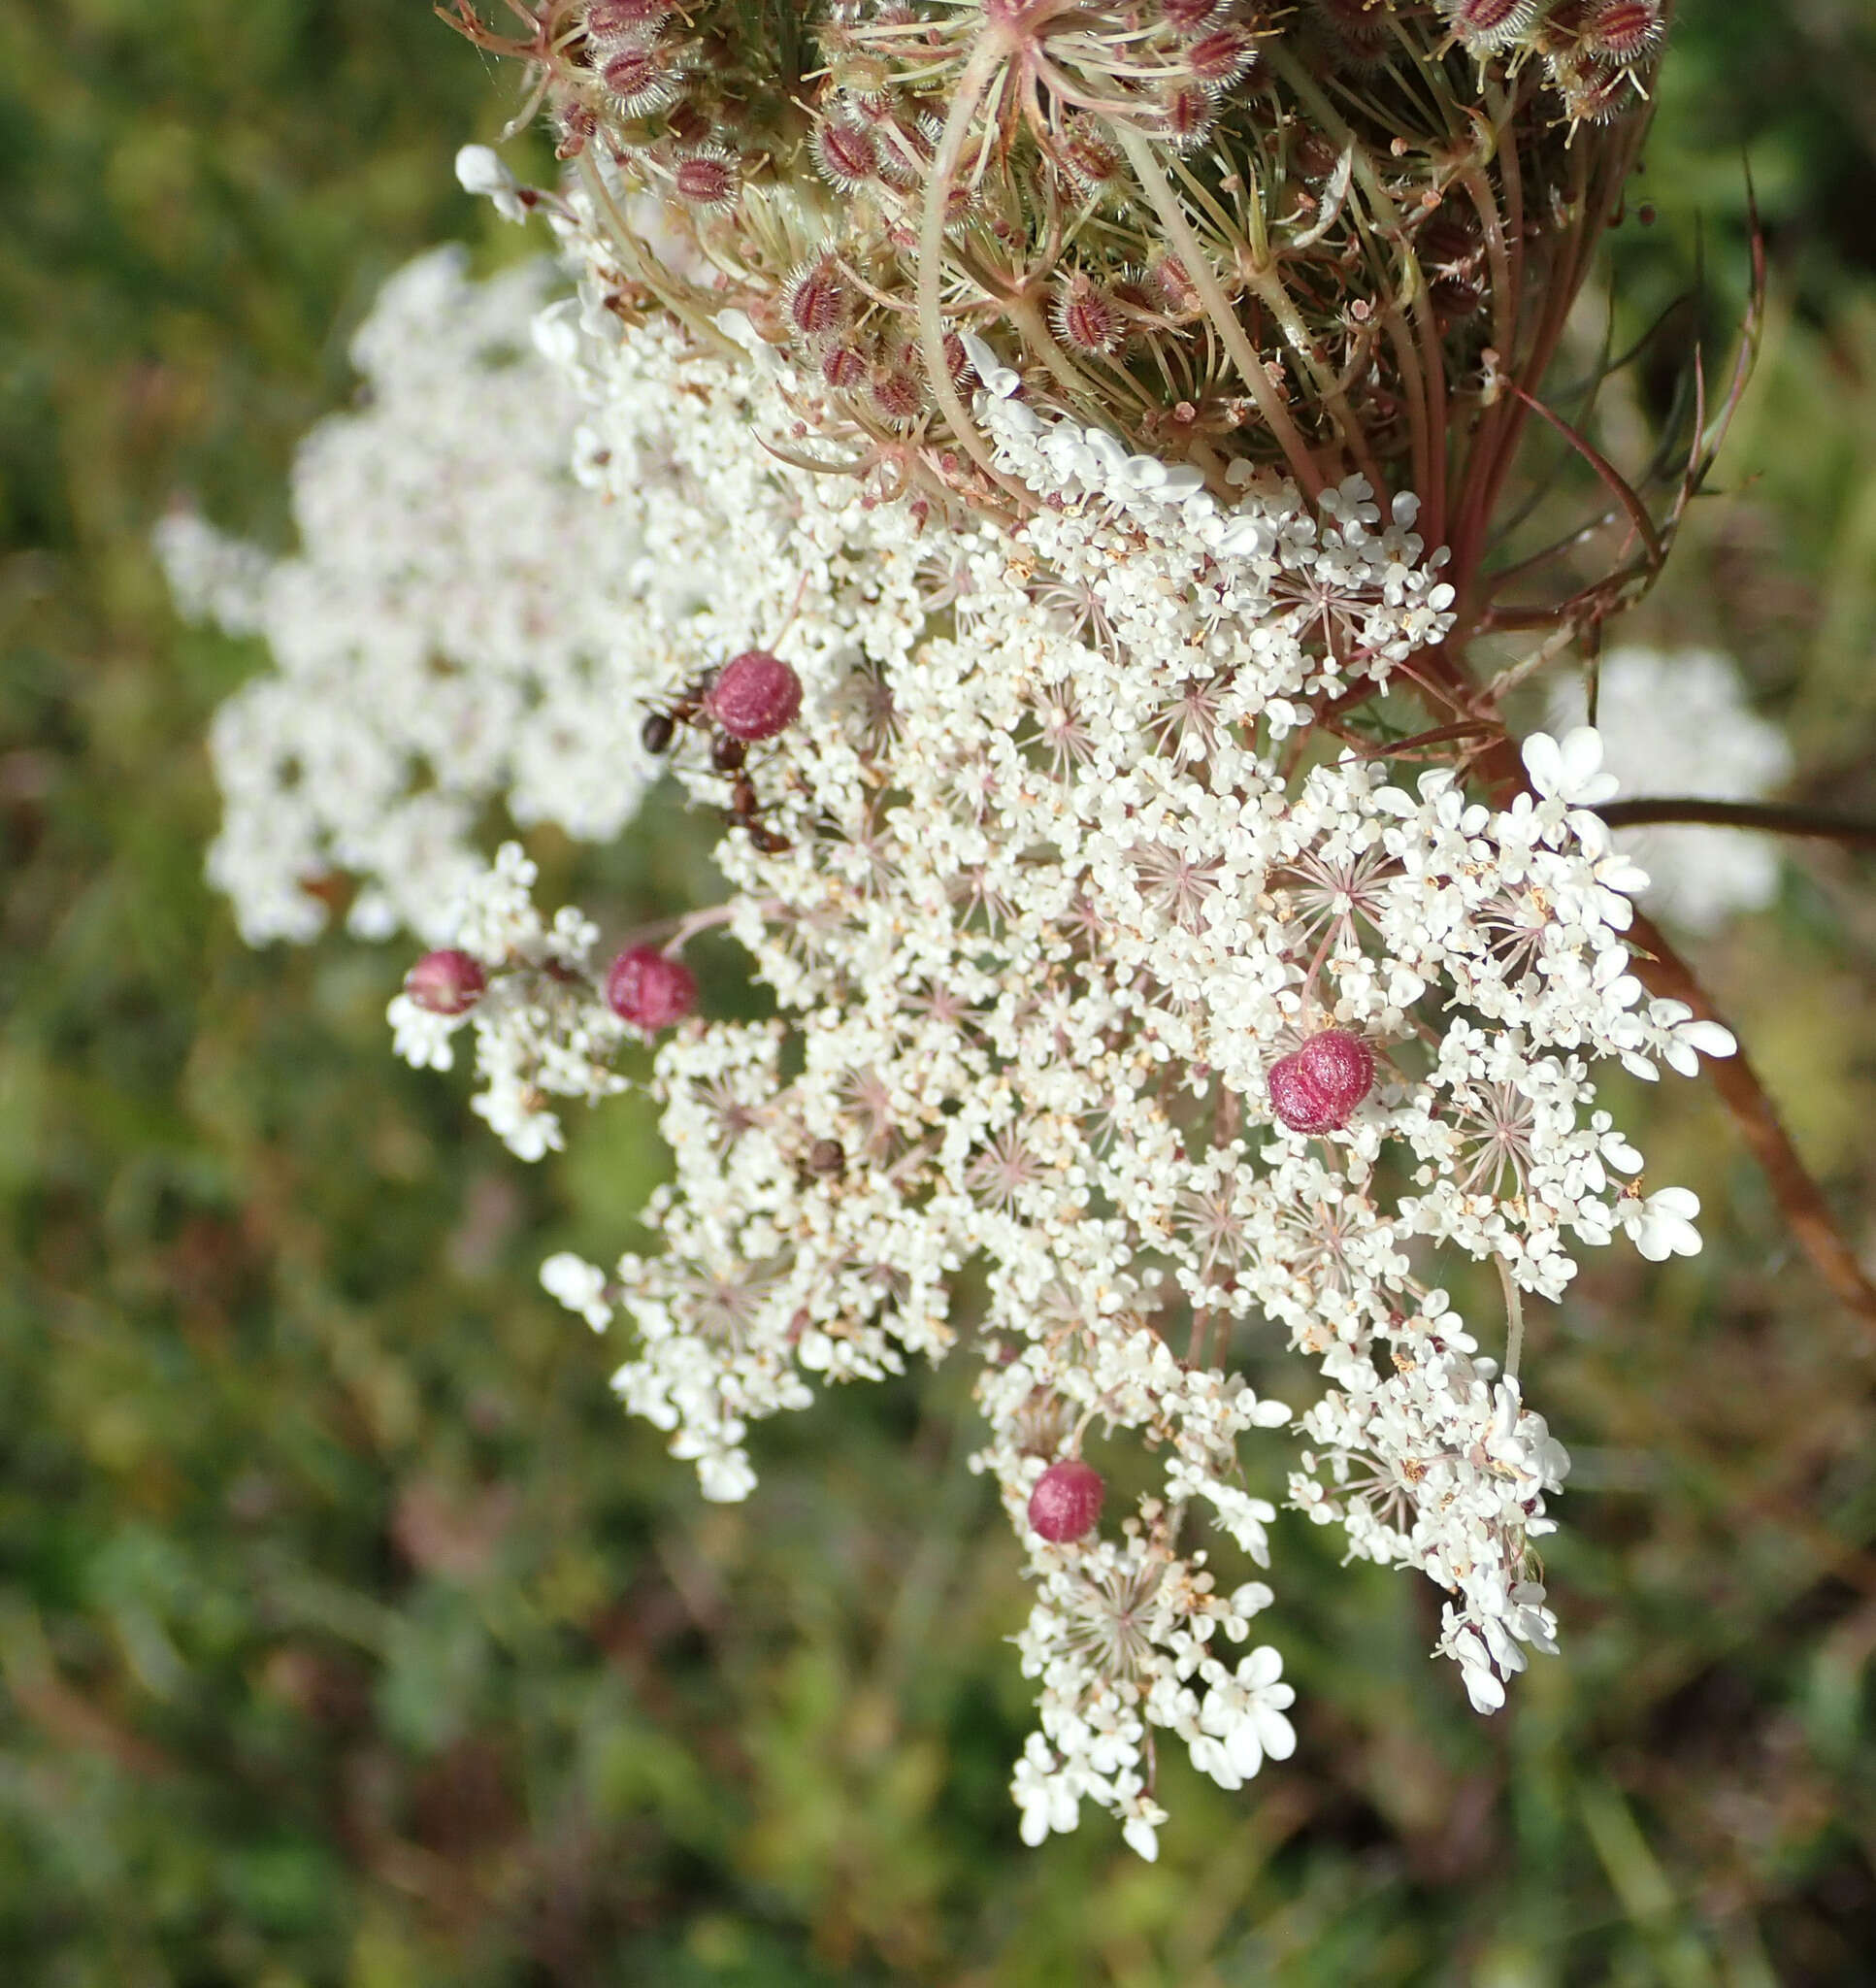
(1055, 869)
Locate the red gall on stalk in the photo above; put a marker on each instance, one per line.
(649, 989)
(1316, 1088)
(1065, 1503)
(446, 982)
(754, 696)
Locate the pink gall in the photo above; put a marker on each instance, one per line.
(1316, 1088)
(754, 696)
(649, 989)
(1065, 1503)
(446, 982)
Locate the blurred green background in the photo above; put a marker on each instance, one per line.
(346, 1633)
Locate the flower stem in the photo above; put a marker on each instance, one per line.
(1774, 817)
(1514, 1319)
(1663, 972)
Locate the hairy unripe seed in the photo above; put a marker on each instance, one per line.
(1483, 25)
(1219, 59)
(446, 982)
(1088, 156)
(1360, 28)
(1084, 316)
(1316, 1088)
(608, 19)
(845, 154)
(1187, 117)
(707, 180)
(1191, 17)
(649, 989)
(845, 368)
(754, 696)
(1624, 30)
(818, 299)
(1595, 93)
(898, 391)
(1176, 286)
(633, 76)
(1067, 1501)
(577, 124)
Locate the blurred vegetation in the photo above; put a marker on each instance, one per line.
(349, 1637)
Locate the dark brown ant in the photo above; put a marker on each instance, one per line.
(660, 727)
(744, 806)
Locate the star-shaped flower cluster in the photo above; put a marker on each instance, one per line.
(1057, 866)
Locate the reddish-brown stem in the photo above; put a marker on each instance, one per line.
(1771, 817)
(1807, 1214)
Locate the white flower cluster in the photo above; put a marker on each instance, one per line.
(1063, 873)
(1055, 869)
(1676, 723)
(455, 630)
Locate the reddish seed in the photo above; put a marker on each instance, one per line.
(1624, 29)
(816, 300)
(631, 73)
(845, 152)
(1316, 1088)
(1084, 316)
(651, 989)
(1188, 114)
(844, 367)
(577, 124)
(607, 18)
(754, 696)
(1089, 159)
(1221, 58)
(1359, 26)
(1597, 96)
(446, 982)
(1189, 16)
(1067, 1501)
(705, 180)
(1489, 23)
(896, 393)
(1175, 285)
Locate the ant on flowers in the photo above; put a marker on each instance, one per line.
(754, 696)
